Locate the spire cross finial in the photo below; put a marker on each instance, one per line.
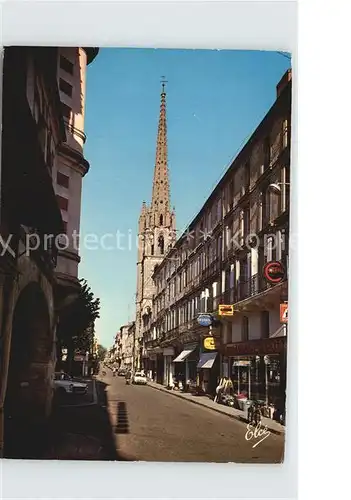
(163, 81)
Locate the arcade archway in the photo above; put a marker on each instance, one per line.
(28, 393)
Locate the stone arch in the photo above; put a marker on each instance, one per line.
(29, 389)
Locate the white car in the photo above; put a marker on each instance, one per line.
(64, 384)
(139, 378)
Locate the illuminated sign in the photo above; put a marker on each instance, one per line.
(274, 272)
(209, 343)
(205, 319)
(225, 310)
(283, 313)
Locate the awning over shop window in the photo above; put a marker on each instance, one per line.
(183, 355)
(207, 359)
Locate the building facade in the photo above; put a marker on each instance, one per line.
(31, 223)
(125, 346)
(156, 235)
(222, 260)
(70, 165)
(33, 129)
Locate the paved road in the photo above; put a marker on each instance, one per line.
(151, 425)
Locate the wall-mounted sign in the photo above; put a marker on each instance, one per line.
(205, 319)
(283, 313)
(225, 310)
(274, 272)
(209, 343)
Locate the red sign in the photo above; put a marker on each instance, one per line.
(260, 346)
(283, 313)
(274, 272)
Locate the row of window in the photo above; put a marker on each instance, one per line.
(264, 328)
(66, 87)
(190, 311)
(41, 114)
(243, 274)
(272, 248)
(245, 175)
(249, 220)
(160, 246)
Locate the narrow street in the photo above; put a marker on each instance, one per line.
(150, 425)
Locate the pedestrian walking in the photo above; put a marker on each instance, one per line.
(128, 377)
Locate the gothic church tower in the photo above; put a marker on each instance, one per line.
(157, 228)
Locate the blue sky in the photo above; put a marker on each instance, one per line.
(215, 100)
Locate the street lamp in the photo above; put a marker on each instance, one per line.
(275, 187)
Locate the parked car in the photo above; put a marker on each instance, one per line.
(139, 378)
(64, 384)
(121, 372)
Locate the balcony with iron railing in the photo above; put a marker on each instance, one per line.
(251, 287)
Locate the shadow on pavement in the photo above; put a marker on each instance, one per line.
(82, 433)
(122, 424)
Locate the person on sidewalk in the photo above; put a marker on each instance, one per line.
(219, 390)
(128, 377)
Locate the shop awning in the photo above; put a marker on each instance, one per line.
(183, 355)
(207, 359)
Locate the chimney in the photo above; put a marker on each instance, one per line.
(283, 82)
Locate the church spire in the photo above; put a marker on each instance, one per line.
(160, 188)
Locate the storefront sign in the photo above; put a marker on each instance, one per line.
(241, 362)
(205, 319)
(283, 313)
(256, 347)
(274, 272)
(209, 343)
(225, 310)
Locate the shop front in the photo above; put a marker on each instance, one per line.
(150, 366)
(159, 366)
(168, 355)
(186, 364)
(257, 369)
(153, 364)
(209, 371)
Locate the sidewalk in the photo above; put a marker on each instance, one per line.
(204, 401)
(82, 431)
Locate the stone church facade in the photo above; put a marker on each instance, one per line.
(156, 232)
